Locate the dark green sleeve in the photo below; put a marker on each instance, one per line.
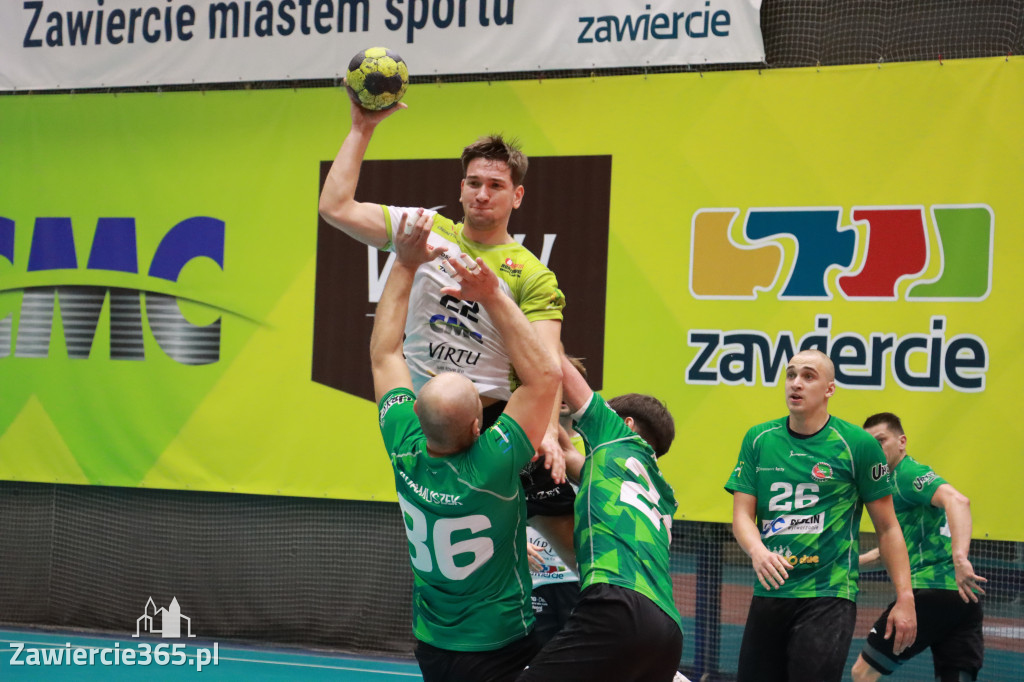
(742, 479)
(871, 473)
(399, 424)
(601, 424)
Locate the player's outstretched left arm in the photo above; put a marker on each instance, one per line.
(958, 515)
(387, 363)
(902, 622)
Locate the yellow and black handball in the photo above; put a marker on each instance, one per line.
(377, 78)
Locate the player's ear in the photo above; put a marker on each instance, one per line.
(630, 424)
(476, 428)
(517, 197)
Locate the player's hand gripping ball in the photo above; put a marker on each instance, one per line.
(377, 78)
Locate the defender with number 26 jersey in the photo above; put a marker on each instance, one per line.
(806, 510)
(624, 509)
(462, 512)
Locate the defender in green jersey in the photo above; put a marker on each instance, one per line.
(458, 487)
(625, 626)
(448, 335)
(936, 522)
(798, 490)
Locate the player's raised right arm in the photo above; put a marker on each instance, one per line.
(338, 205)
(539, 372)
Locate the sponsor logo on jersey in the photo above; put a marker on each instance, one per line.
(556, 301)
(879, 471)
(822, 471)
(391, 402)
(793, 524)
(802, 559)
(760, 469)
(921, 481)
(511, 268)
(798, 454)
(460, 357)
(432, 496)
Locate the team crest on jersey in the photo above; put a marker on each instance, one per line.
(510, 267)
(822, 471)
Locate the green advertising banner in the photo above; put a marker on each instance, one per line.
(174, 315)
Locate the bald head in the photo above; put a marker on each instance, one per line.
(821, 362)
(450, 412)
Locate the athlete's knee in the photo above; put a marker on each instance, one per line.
(863, 672)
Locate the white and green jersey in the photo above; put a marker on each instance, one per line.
(624, 509)
(446, 334)
(810, 493)
(924, 527)
(465, 520)
(553, 570)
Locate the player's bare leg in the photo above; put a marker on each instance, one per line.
(863, 672)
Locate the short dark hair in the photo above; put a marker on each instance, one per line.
(496, 148)
(651, 417)
(887, 419)
(578, 364)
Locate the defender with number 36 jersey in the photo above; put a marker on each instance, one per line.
(462, 512)
(806, 510)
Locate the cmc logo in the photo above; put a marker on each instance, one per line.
(53, 255)
(898, 247)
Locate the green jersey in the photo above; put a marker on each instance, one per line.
(465, 520)
(810, 492)
(446, 334)
(624, 510)
(925, 528)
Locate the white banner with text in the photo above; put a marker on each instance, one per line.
(74, 44)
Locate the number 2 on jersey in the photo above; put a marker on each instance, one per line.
(637, 495)
(480, 547)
